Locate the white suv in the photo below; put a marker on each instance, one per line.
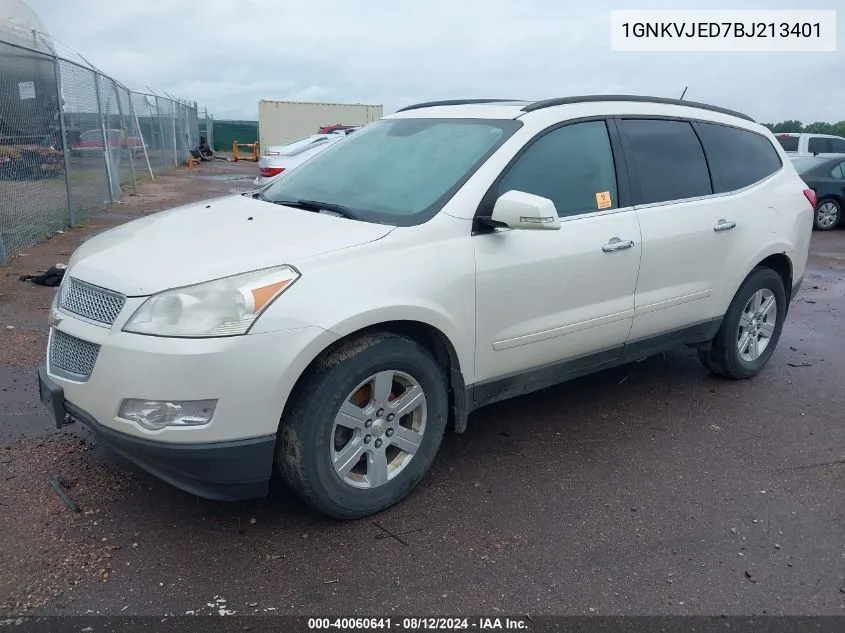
(445, 257)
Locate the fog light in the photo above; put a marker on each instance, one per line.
(157, 414)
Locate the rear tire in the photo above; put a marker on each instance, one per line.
(363, 426)
(751, 328)
(828, 214)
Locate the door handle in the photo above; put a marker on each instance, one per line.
(617, 245)
(724, 225)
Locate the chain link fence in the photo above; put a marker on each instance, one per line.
(73, 140)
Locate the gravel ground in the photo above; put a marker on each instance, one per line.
(652, 488)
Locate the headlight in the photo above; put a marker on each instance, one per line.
(223, 307)
(155, 414)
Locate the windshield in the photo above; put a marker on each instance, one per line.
(399, 171)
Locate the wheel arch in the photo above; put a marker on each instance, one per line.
(782, 265)
(425, 334)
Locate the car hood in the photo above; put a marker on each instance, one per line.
(209, 240)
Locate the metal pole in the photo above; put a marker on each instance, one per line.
(161, 133)
(175, 146)
(129, 150)
(106, 142)
(141, 135)
(65, 151)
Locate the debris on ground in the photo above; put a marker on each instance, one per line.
(62, 492)
(800, 364)
(62, 549)
(52, 277)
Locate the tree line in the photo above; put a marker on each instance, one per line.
(819, 127)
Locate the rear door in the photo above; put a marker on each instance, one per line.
(692, 231)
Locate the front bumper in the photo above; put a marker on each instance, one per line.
(225, 471)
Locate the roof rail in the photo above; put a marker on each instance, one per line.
(449, 102)
(548, 103)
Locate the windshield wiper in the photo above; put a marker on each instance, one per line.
(254, 194)
(316, 205)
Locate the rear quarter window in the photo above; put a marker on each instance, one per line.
(738, 158)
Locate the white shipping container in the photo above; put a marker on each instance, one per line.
(281, 122)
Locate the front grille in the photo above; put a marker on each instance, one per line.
(90, 302)
(72, 357)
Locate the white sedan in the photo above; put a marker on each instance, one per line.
(280, 159)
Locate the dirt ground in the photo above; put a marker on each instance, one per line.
(652, 488)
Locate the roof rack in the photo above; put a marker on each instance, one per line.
(450, 102)
(548, 103)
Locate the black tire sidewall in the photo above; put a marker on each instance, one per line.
(764, 278)
(331, 494)
(838, 215)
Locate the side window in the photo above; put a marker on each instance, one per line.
(572, 166)
(838, 172)
(669, 161)
(817, 145)
(837, 145)
(740, 157)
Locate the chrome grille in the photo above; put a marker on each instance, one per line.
(90, 302)
(72, 357)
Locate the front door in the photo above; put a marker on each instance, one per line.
(547, 297)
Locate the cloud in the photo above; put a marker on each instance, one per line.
(227, 55)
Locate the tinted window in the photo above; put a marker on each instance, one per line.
(817, 144)
(839, 171)
(572, 166)
(669, 160)
(837, 145)
(788, 143)
(739, 157)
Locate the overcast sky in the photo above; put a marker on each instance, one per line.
(394, 52)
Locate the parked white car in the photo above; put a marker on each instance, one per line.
(281, 159)
(806, 144)
(451, 255)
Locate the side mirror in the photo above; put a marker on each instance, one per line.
(525, 211)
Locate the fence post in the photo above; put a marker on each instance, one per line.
(175, 145)
(188, 131)
(106, 140)
(71, 213)
(161, 135)
(129, 150)
(140, 134)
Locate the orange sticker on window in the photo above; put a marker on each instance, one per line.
(603, 200)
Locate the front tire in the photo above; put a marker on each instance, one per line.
(751, 328)
(364, 426)
(828, 214)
